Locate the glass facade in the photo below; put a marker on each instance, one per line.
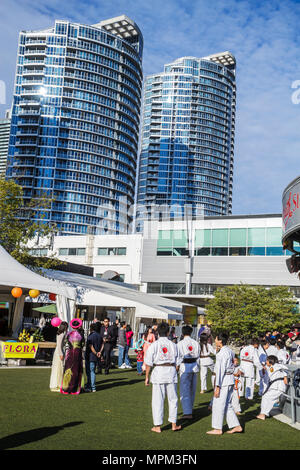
(75, 122)
(261, 241)
(187, 141)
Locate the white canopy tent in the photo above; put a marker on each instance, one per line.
(14, 274)
(98, 292)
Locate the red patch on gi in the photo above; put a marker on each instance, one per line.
(246, 354)
(165, 350)
(190, 348)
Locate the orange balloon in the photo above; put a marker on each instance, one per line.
(34, 293)
(16, 292)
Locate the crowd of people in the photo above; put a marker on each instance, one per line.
(261, 362)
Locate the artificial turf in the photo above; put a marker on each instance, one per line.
(118, 417)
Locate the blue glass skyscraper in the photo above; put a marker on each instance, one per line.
(75, 122)
(187, 142)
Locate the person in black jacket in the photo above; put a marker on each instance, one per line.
(107, 334)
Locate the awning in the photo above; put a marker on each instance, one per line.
(47, 309)
(14, 274)
(98, 292)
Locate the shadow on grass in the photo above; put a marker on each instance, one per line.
(26, 437)
(199, 413)
(116, 383)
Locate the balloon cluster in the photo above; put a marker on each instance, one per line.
(16, 292)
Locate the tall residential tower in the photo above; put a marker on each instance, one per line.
(75, 122)
(187, 145)
(4, 141)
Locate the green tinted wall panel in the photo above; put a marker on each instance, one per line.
(238, 237)
(202, 238)
(220, 237)
(256, 237)
(164, 239)
(273, 236)
(180, 239)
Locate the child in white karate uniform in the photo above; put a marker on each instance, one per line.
(222, 401)
(249, 358)
(238, 374)
(188, 364)
(282, 354)
(277, 382)
(162, 355)
(206, 361)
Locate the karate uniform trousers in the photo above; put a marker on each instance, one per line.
(205, 364)
(249, 379)
(159, 392)
(262, 373)
(188, 350)
(163, 379)
(222, 408)
(272, 394)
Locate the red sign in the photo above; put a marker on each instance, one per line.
(292, 204)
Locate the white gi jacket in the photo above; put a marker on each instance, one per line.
(283, 356)
(249, 358)
(224, 367)
(188, 348)
(162, 351)
(277, 371)
(272, 351)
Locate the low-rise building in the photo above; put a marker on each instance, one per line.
(188, 260)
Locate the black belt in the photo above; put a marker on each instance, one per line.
(189, 360)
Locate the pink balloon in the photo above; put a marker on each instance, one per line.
(55, 321)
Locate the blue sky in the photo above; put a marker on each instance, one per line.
(264, 36)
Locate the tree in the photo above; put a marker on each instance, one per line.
(22, 223)
(246, 311)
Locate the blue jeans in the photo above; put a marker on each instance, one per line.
(139, 365)
(127, 360)
(90, 368)
(121, 355)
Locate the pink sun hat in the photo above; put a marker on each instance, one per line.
(76, 323)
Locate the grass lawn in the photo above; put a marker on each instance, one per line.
(117, 417)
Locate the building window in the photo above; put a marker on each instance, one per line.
(38, 251)
(237, 251)
(256, 251)
(219, 251)
(166, 288)
(259, 241)
(172, 243)
(71, 251)
(274, 251)
(112, 251)
(202, 252)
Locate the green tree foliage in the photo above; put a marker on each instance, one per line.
(246, 311)
(19, 224)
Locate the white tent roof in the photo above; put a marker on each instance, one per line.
(92, 291)
(14, 274)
